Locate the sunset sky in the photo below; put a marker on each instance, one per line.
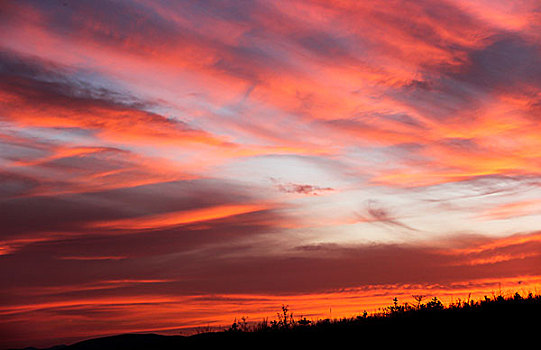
(168, 165)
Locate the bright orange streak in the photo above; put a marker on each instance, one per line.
(500, 243)
(117, 168)
(497, 259)
(181, 217)
(113, 123)
(9, 246)
(61, 152)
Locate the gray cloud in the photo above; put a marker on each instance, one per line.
(376, 213)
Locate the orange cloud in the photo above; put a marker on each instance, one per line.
(512, 210)
(123, 133)
(180, 218)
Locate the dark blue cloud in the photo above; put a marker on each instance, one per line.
(506, 63)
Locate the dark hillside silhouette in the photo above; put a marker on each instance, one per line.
(494, 321)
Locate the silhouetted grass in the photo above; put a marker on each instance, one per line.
(497, 306)
(491, 322)
(486, 321)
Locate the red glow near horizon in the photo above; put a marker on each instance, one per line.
(171, 165)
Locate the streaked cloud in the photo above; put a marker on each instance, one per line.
(169, 164)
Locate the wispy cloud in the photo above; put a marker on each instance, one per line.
(376, 213)
(137, 140)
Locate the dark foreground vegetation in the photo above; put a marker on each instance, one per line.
(493, 321)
